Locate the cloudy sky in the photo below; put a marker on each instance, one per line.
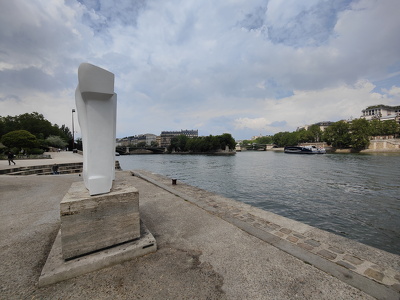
(237, 66)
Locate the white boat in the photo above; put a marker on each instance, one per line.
(304, 150)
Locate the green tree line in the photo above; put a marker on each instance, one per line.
(205, 144)
(340, 134)
(32, 133)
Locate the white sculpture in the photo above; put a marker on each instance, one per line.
(96, 103)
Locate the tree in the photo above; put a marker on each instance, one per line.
(68, 134)
(360, 132)
(264, 140)
(315, 132)
(202, 144)
(283, 139)
(36, 124)
(173, 144)
(226, 139)
(376, 127)
(278, 138)
(338, 134)
(390, 127)
(305, 136)
(246, 142)
(19, 139)
(181, 142)
(56, 141)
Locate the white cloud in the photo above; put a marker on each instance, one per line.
(256, 123)
(231, 66)
(309, 107)
(394, 91)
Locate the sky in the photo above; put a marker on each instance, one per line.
(242, 67)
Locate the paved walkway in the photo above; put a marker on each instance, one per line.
(210, 247)
(56, 158)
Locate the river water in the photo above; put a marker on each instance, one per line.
(353, 195)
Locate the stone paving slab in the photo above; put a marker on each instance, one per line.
(380, 281)
(57, 269)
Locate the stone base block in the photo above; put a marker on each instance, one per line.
(57, 269)
(91, 223)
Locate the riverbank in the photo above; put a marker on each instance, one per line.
(375, 146)
(210, 247)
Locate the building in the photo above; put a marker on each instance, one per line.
(322, 125)
(166, 136)
(150, 139)
(122, 142)
(382, 112)
(134, 140)
(256, 137)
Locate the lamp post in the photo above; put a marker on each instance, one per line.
(73, 131)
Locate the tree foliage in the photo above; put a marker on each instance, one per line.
(20, 139)
(56, 141)
(360, 131)
(259, 140)
(338, 135)
(315, 134)
(283, 139)
(205, 144)
(36, 124)
(311, 135)
(379, 128)
(390, 127)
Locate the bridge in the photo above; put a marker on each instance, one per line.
(139, 150)
(255, 147)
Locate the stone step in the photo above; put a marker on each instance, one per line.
(66, 168)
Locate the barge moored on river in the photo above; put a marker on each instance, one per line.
(304, 150)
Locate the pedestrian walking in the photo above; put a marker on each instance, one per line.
(10, 158)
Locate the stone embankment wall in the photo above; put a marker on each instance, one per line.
(378, 145)
(389, 145)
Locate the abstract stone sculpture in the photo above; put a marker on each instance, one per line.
(96, 103)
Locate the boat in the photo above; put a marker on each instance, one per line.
(304, 150)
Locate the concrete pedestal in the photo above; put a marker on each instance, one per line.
(91, 223)
(57, 269)
(97, 231)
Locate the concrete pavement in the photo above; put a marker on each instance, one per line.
(210, 247)
(56, 158)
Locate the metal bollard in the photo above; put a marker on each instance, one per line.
(173, 181)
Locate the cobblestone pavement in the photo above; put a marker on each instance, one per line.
(331, 258)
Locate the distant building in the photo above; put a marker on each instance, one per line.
(382, 112)
(256, 137)
(322, 125)
(158, 140)
(123, 142)
(166, 136)
(134, 140)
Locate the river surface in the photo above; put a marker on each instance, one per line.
(353, 195)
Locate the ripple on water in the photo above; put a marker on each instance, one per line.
(353, 195)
